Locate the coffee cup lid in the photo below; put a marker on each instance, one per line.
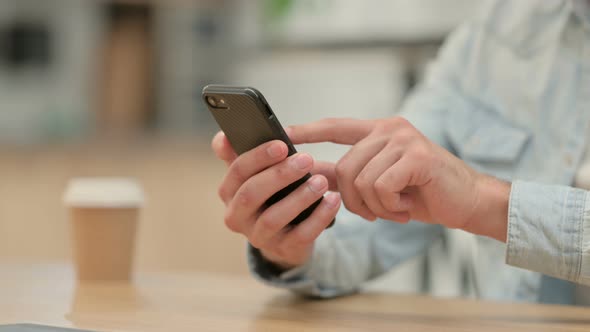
(103, 192)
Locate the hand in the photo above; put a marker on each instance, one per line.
(255, 176)
(394, 172)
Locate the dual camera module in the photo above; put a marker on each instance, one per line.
(216, 102)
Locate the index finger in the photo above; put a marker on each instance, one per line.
(336, 130)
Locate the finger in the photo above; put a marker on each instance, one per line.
(304, 234)
(399, 217)
(280, 214)
(252, 195)
(223, 149)
(347, 171)
(250, 163)
(392, 182)
(366, 182)
(335, 130)
(328, 170)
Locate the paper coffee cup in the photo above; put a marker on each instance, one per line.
(103, 215)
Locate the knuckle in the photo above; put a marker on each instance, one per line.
(352, 206)
(384, 126)
(341, 169)
(256, 242)
(237, 171)
(222, 193)
(394, 124)
(331, 125)
(330, 121)
(282, 171)
(420, 152)
(403, 137)
(400, 122)
(380, 187)
(304, 239)
(243, 196)
(360, 183)
(231, 223)
(266, 224)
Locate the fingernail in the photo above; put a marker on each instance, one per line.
(370, 217)
(275, 150)
(317, 184)
(289, 131)
(332, 200)
(403, 205)
(302, 161)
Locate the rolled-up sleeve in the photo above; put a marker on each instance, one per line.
(549, 230)
(347, 255)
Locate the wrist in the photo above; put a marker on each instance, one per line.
(490, 217)
(279, 263)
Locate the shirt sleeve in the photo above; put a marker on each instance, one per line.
(345, 256)
(549, 230)
(441, 95)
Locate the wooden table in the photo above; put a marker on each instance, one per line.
(189, 301)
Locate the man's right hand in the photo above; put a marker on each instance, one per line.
(255, 176)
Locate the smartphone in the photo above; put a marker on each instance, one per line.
(247, 120)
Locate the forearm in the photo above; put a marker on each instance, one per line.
(347, 255)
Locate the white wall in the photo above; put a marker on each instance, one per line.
(307, 86)
(316, 21)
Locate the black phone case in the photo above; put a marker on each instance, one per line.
(248, 121)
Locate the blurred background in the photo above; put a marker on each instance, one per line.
(93, 88)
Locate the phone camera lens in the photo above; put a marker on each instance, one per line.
(212, 101)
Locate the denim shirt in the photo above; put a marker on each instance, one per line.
(510, 94)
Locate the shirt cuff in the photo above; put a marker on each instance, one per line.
(295, 279)
(549, 230)
(269, 272)
(298, 280)
(584, 277)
